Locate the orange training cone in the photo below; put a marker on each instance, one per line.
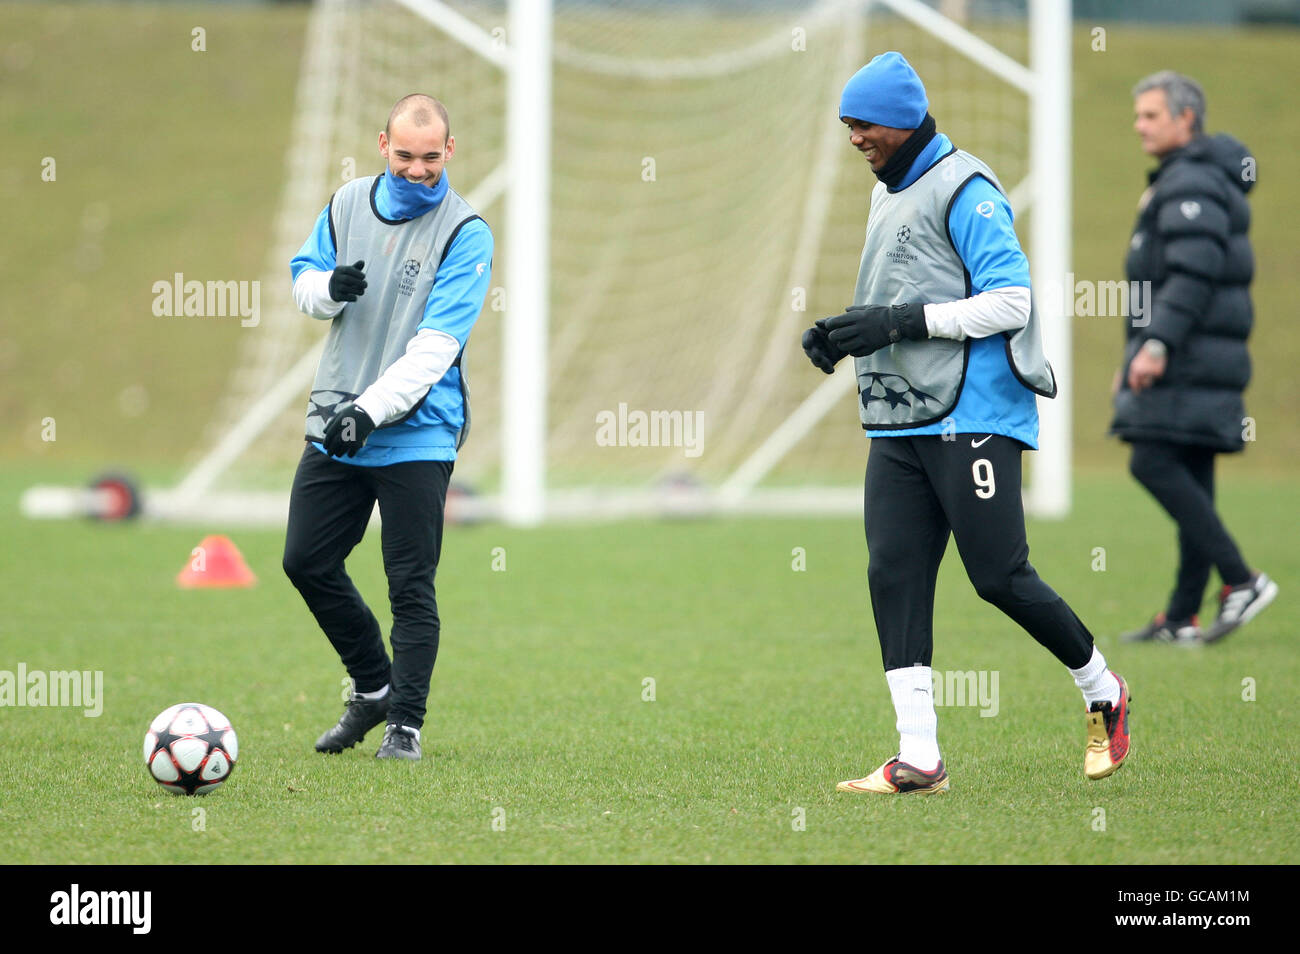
(215, 562)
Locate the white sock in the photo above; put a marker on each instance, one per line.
(1096, 681)
(913, 694)
(372, 696)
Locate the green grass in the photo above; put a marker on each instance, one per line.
(768, 691)
(768, 683)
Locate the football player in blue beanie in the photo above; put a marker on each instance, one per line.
(949, 361)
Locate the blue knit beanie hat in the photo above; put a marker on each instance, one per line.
(886, 92)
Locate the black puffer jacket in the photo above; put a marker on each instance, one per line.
(1190, 243)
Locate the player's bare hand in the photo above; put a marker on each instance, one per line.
(348, 282)
(1145, 370)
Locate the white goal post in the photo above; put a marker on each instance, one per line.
(1046, 84)
(1045, 81)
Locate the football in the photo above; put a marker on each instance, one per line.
(190, 749)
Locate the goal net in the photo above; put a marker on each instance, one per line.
(704, 207)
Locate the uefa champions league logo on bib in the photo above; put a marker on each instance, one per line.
(410, 272)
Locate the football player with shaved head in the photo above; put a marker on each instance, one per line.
(399, 264)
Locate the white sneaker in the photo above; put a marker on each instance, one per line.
(1240, 604)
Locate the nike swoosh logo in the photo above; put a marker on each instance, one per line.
(975, 443)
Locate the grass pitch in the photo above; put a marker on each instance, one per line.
(767, 682)
(541, 746)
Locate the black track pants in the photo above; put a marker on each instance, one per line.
(329, 507)
(1181, 478)
(920, 489)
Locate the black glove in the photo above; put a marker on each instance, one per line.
(347, 431)
(348, 282)
(864, 329)
(817, 346)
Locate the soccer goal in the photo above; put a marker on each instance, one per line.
(674, 201)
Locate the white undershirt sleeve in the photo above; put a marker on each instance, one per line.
(988, 313)
(311, 293)
(408, 379)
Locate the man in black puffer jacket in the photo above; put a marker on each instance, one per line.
(1178, 397)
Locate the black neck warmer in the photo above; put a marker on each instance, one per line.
(893, 171)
